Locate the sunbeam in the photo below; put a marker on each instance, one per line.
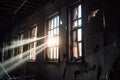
(14, 62)
(22, 61)
(13, 59)
(22, 42)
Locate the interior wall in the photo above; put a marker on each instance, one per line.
(101, 43)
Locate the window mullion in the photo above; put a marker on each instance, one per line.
(77, 43)
(53, 38)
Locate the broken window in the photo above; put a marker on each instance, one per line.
(53, 38)
(76, 32)
(20, 49)
(33, 36)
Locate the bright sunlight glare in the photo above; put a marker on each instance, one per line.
(53, 41)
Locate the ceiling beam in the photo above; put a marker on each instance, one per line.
(21, 5)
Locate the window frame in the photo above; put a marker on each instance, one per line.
(13, 49)
(34, 43)
(71, 30)
(49, 19)
(20, 52)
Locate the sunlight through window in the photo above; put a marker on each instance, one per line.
(20, 49)
(77, 32)
(33, 35)
(53, 38)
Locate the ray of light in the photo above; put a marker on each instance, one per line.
(12, 63)
(21, 62)
(22, 42)
(13, 59)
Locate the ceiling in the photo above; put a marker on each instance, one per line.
(12, 12)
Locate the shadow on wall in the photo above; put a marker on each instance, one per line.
(115, 71)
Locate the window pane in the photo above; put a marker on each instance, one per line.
(79, 34)
(74, 37)
(49, 25)
(75, 52)
(54, 52)
(80, 49)
(57, 21)
(61, 22)
(20, 52)
(53, 41)
(79, 11)
(32, 51)
(51, 52)
(57, 41)
(21, 36)
(51, 33)
(75, 13)
(57, 31)
(79, 23)
(31, 45)
(75, 24)
(33, 32)
(57, 51)
(48, 53)
(54, 22)
(74, 44)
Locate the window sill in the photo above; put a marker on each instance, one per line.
(51, 62)
(31, 61)
(73, 63)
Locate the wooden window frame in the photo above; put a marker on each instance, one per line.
(55, 36)
(75, 29)
(21, 47)
(34, 43)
